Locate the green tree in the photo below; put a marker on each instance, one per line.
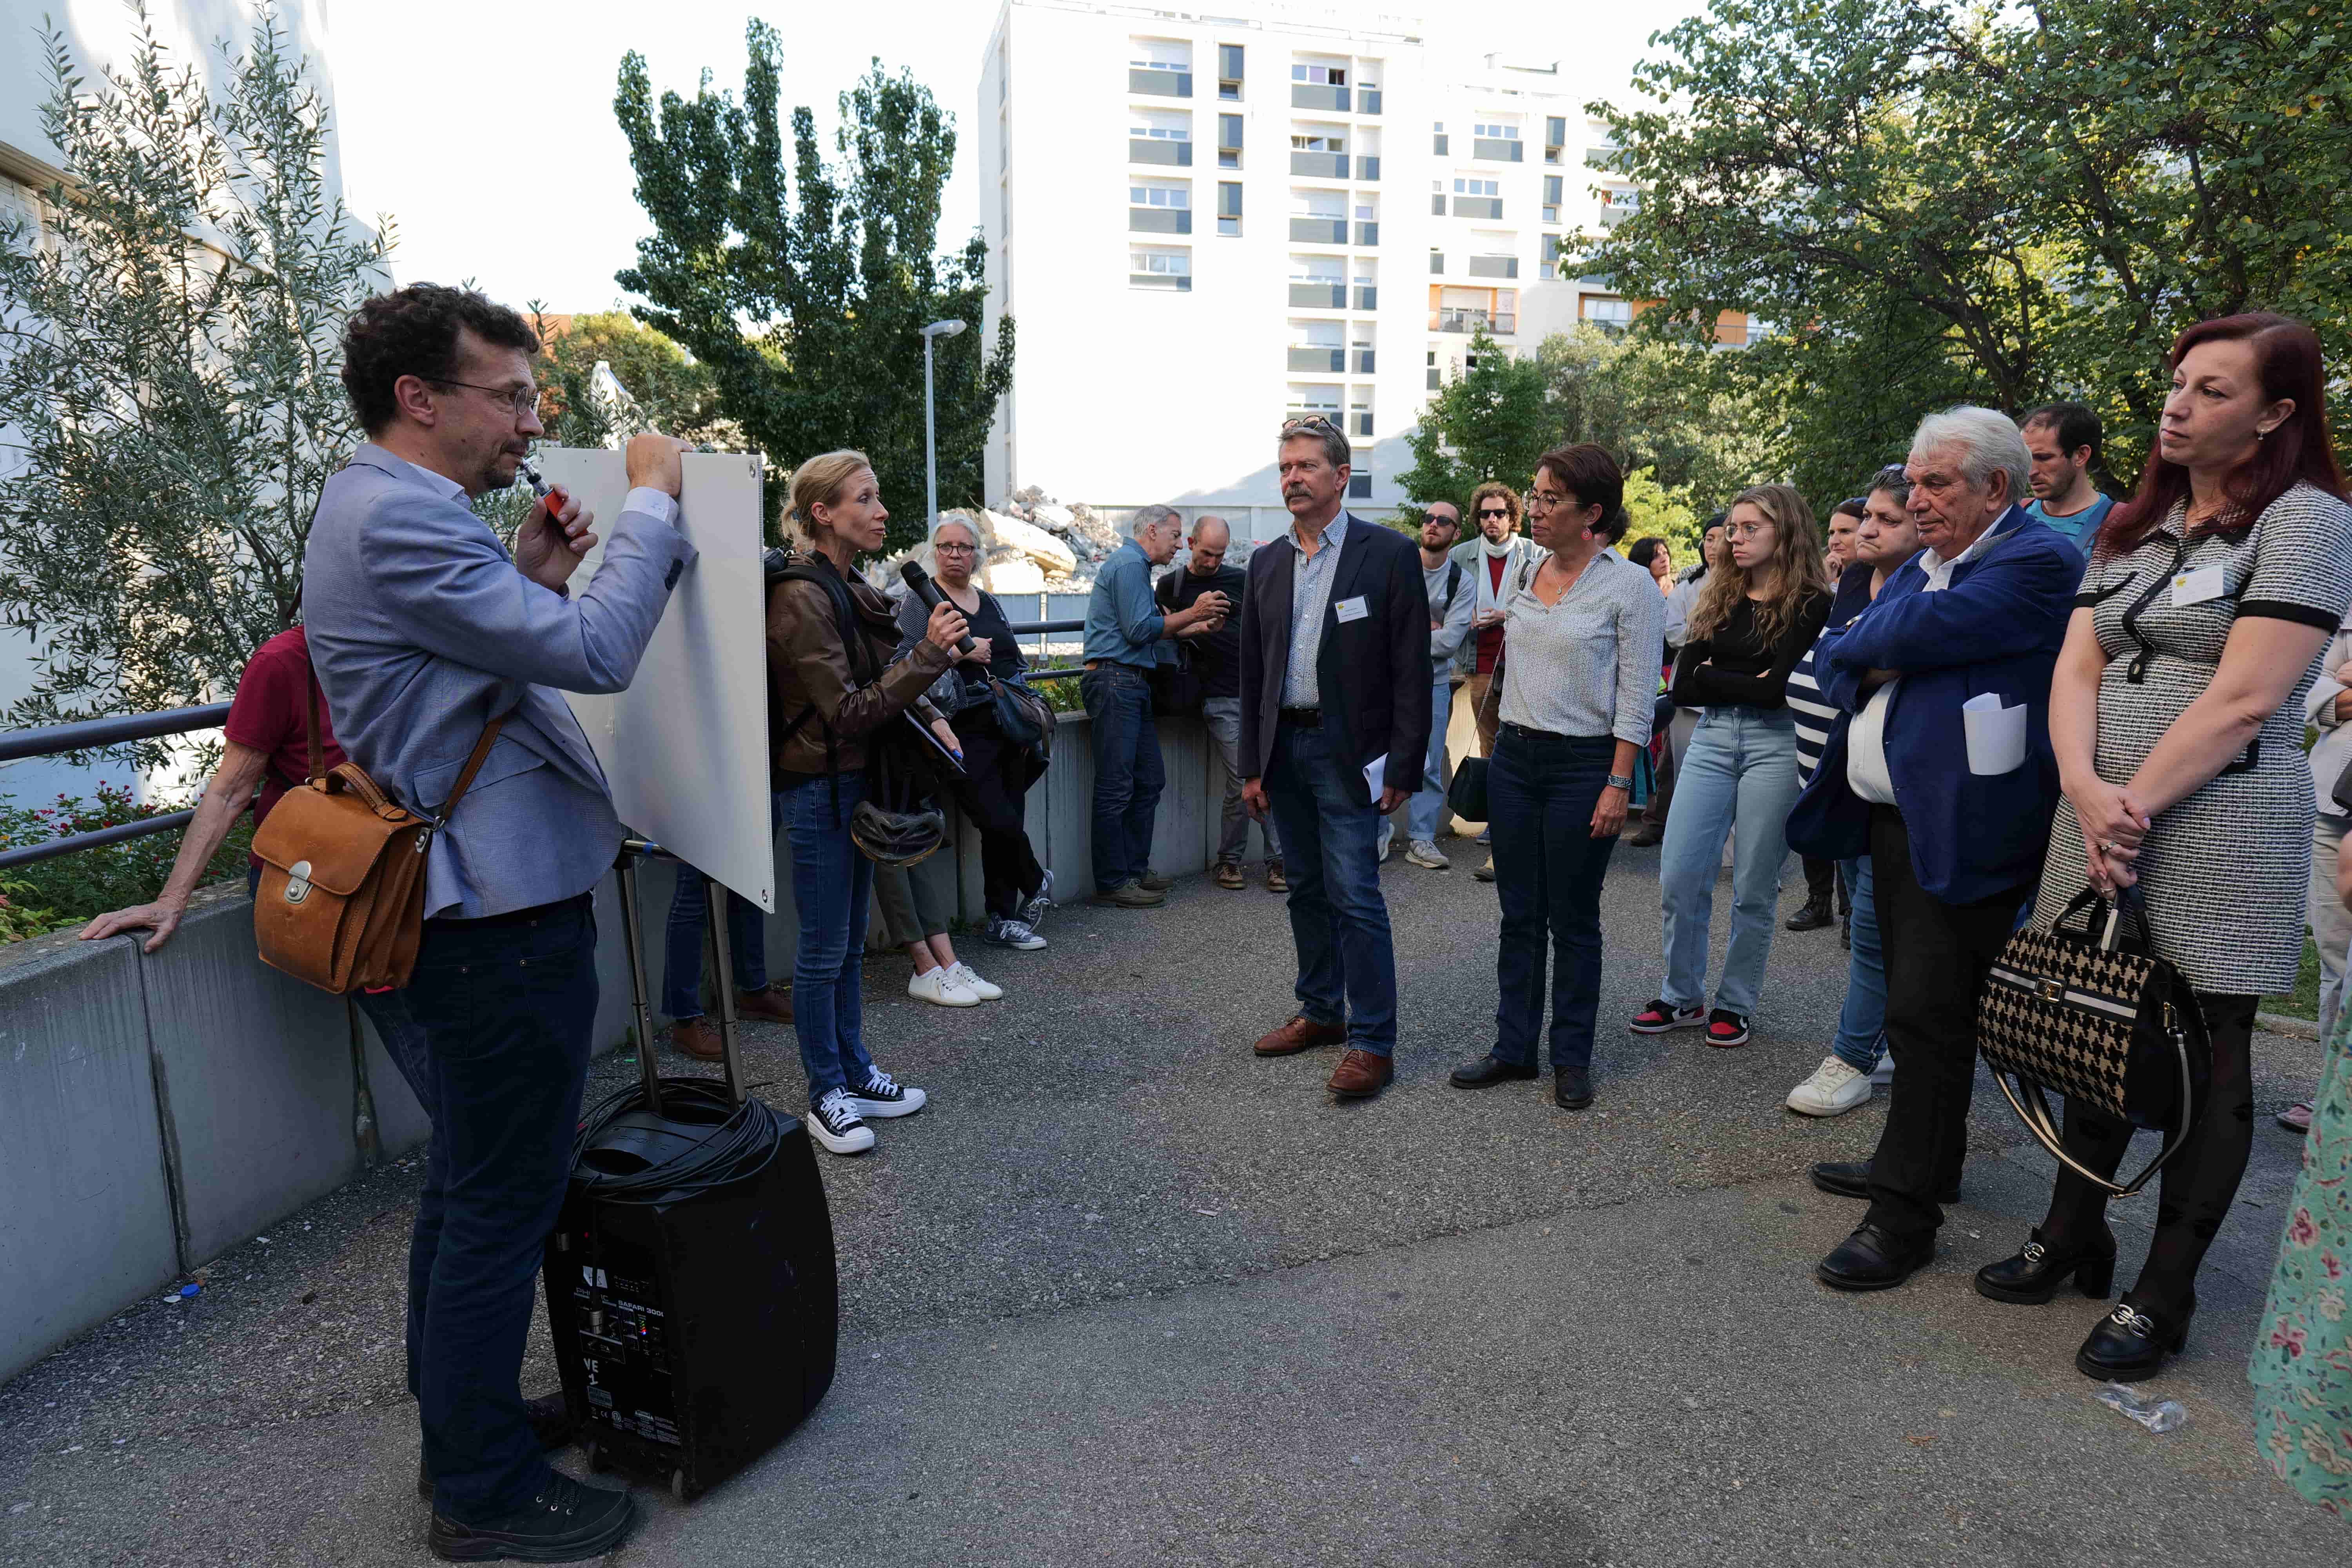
(675, 392)
(1936, 199)
(1491, 422)
(1682, 409)
(1652, 508)
(805, 302)
(168, 361)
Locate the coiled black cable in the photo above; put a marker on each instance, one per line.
(735, 1142)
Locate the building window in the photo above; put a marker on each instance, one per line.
(1229, 207)
(1614, 315)
(1229, 140)
(1319, 142)
(1495, 131)
(1164, 268)
(1320, 76)
(1436, 260)
(1437, 140)
(1162, 66)
(1360, 484)
(1555, 138)
(1477, 188)
(1229, 71)
(1359, 419)
(1158, 207)
(1160, 127)
(1436, 376)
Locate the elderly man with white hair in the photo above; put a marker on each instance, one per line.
(1126, 638)
(1954, 820)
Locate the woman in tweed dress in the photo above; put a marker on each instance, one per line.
(2177, 718)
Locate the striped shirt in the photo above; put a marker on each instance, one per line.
(1310, 596)
(1587, 664)
(1812, 711)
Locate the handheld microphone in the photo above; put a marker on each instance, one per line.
(918, 583)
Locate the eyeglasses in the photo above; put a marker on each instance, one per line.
(954, 549)
(517, 399)
(1747, 530)
(1487, 512)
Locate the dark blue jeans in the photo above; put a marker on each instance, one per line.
(1540, 791)
(747, 945)
(1128, 772)
(505, 1007)
(1347, 961)
(832, 883)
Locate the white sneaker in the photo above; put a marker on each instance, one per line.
(1832, 1090)
(1883, 1073)
(939, 986)
(987, 991)
(833, 1121)
(882, 1095)
(1421, 852)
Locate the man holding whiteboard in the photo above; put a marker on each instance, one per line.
(422, 630)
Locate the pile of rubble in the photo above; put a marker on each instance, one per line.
(1034, 545)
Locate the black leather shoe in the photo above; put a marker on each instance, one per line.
(2131, 1342)
(1871, 1260)
(565, 1523)
(1850, 1179)
(2034, 1275)
(1488, 1069)
(1571, 1088)
(550, 1422)
(1814, 916)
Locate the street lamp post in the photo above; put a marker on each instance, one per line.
(936, 331)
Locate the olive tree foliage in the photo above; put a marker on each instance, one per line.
(168, 373)
(1935, 200)
(801, 282)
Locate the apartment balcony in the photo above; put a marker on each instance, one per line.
(1178, 284)
(1612, 216)
(1319, 165)
(1368, 233)
(1439, 142)
(1319, 361)
(1367, 168)
(1157, 150)
(1502, 323)
(1312, 95)
(1160, 84)
(1498, 149)
(1494, 266)
(1360, 424)
(1604, 157)
(1367, 101)
(1367, 296)
(1320, 230)
(1487, 207)
(1159, 220)
(1361, 360)
(1319, 296)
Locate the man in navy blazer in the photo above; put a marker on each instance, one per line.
(1334, 678)
(422, 629)
(1952, 805)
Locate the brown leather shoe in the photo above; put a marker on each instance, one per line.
(1360, 1073)
(775, 1006)
(1275, 882)
(1301, 1033)
(1228, 875)
(698, 1038)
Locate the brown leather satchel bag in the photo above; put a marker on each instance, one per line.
(341, 901)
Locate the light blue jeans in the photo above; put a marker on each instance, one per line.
(1861, 1022)
(1740, 770)
(1426, 809)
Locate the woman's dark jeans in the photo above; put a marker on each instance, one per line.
(832, 883)
(993, 793)
(1541, 790)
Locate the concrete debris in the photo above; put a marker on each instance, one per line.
(1031, 544)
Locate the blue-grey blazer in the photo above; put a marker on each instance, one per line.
(422, 630)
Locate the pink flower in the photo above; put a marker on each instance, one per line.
(2300, 1230)
(2289, 1339)
(2331, 1264)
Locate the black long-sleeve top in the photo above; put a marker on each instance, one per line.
(1739, 669)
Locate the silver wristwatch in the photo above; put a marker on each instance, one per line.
(1621, 780)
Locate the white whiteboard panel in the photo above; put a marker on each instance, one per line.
(684, 748)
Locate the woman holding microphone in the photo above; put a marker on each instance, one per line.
(825, 700)
(1574, 685)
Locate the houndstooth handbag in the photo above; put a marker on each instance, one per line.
(2093, 1013)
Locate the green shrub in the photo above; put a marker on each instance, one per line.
(50, 895)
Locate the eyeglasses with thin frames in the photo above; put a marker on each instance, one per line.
(517, 399)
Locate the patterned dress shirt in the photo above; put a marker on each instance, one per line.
(1310, 596)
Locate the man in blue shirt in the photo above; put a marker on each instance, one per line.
(1126, 636)
(2063, 439)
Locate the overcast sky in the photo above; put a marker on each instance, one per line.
(537, 202)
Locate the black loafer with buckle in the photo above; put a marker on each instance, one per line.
(2132, 1342)
(2034, 1275)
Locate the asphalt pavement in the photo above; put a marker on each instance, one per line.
(1125, 1294)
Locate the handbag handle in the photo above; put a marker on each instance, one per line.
(2110, 924)
(2040, 1121)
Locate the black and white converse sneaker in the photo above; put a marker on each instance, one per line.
(1003, 932)
(883, 1095)
(1032, 908)
(833, 1121)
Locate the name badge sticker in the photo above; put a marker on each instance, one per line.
(1354, 610)
(2195, 587)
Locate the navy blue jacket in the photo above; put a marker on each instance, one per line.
(1997, 628)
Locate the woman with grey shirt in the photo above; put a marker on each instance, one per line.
(1583, 638)
(996, 773)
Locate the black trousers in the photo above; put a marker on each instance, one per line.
(1938, 955)
(1821, 880)
(2197, 1185)
(993, 793)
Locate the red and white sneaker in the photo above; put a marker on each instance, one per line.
(1659, 1017)
(1726, 1028)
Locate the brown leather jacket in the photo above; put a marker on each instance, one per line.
(808, 666)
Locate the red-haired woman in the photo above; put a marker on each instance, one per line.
(2176, 714)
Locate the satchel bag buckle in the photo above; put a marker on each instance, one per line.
(2050, 990)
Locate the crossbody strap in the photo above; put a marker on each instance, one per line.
(310, 724)
(473, 765)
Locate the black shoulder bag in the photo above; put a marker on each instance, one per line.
(2088, 1009)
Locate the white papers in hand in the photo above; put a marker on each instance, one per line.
(1373, 772)
(1996, 735)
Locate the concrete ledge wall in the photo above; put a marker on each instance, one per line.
(157, 1110)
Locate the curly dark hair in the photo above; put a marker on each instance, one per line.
(414, 332)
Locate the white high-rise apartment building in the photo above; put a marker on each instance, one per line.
(1202, 224)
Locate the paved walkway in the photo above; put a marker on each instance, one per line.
(1126, 1295)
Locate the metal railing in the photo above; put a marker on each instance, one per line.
(94, 734)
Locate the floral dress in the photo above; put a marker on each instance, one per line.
(2302, 1370)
